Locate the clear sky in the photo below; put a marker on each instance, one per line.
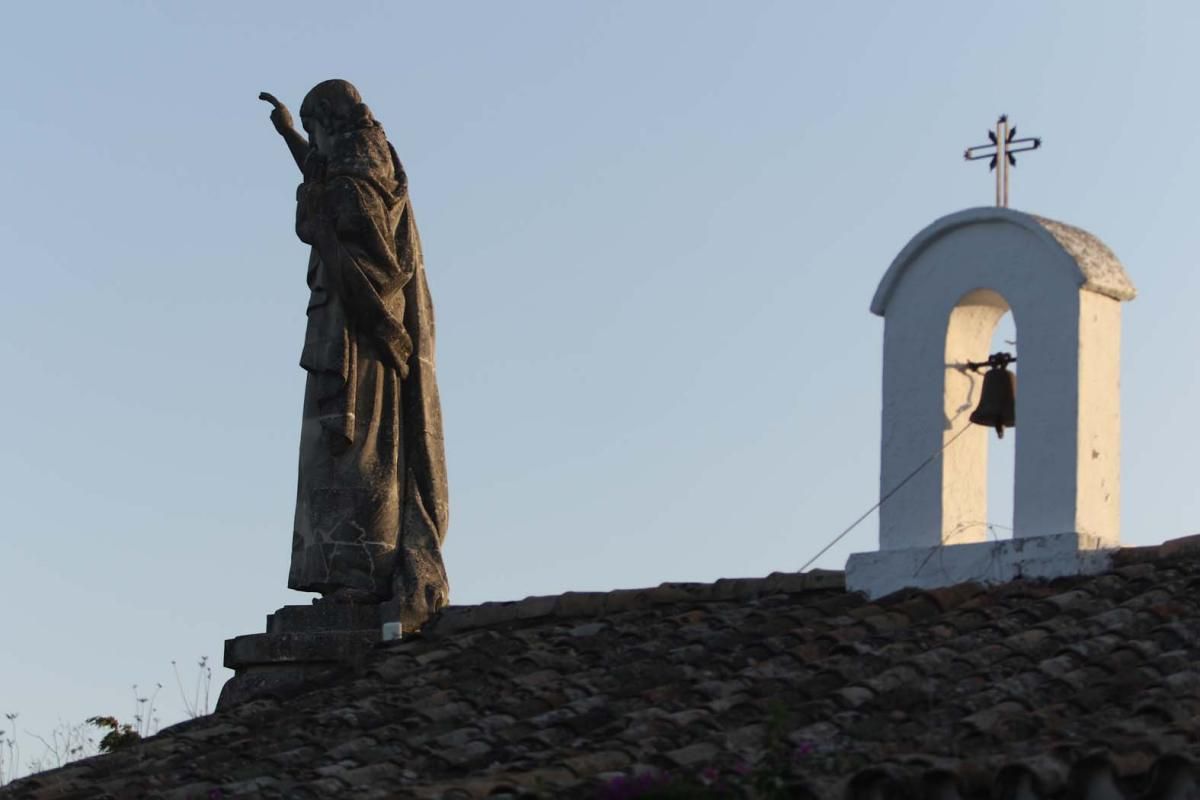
(652, 231)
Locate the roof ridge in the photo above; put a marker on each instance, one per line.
(1171, 548)
(454, 619)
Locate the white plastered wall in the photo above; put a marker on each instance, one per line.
(1098, 459)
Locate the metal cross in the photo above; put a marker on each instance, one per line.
(1001, 152)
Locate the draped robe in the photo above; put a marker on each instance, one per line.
(371, 504)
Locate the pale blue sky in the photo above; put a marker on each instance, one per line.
(652, 230)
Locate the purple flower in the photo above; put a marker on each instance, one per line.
(805, 748)
(710, 775)
(648, 780)
(617, 789)
(742, 768)
(622, 787)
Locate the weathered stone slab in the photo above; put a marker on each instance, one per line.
(286, 648)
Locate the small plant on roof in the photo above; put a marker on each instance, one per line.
(123, 734)
(119, 734)
(10, 751)
(197, 705)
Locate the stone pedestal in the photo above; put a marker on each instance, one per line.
(303, 644)
(886, 571)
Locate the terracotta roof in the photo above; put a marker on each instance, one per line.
(1080, 687)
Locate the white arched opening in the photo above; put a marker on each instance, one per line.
(966, 474)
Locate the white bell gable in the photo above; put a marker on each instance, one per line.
(941, 300)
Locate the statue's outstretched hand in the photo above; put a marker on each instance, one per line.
(281, 118)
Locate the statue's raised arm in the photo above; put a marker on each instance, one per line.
(281, 118)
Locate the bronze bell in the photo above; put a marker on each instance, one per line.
(998, 400)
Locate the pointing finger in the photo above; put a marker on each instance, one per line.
(270, 98)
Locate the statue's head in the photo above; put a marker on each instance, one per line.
(331, 108)
(345, 136)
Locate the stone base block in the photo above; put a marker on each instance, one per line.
(886, 571)
(289, 648)
(302, 645)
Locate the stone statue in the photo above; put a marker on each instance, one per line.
(371, 504)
